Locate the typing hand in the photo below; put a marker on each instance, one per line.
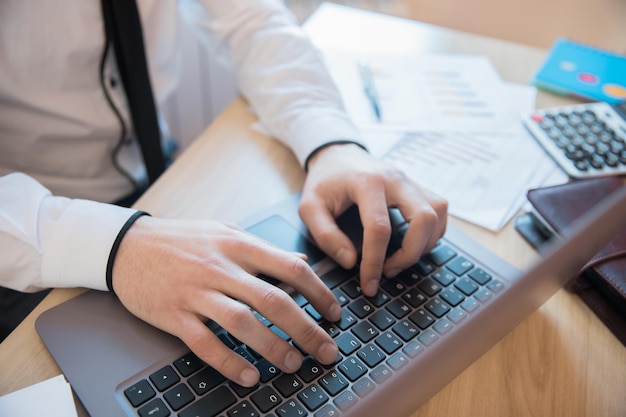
(175, 274)
(341, 175)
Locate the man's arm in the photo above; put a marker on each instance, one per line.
(50, 241)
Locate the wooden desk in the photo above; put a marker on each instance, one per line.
(561, 361)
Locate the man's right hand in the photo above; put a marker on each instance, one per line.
(176, 274)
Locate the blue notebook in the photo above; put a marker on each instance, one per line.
(584, 71)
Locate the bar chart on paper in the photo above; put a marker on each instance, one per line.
(479, 173)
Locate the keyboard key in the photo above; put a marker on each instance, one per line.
(139, 393)
(333, 383)
(327, 411)
(313, 313)
(480, 276)
(457, 315)
(347, 343)
(379, 299)
(393, 287)
(363, 386)
(267, 370)
(164, 378)
(291, 408)
(495, 285)
(240, 390)
(443, 277)
(452, 296)
(313, 397)
(437, 307)
(206, 380)
(341, 297)
(211, 404)
(345, 400)
(287, 384)
(352, 289)
(483, 295)
(310, 369)
(155, 408)
(365, 331)
(397, 361)
(188, 364)
(470, 305)
(330, 328)
(460, 265)
(466, 285)
(406, 330)
(389, 342)
(347, 320)
(352, 368)
(382, 319)
(428, 337)
(243, 409)
(265, 399)
(442, 326)
(413, 349)
(178, 397)
(422, 318)
(441, 255)
(429, 286)
(381, 374)
(371, 355)
(409, 277)
(399, 308)
(414, 297)
(336, 277)
(361, 308)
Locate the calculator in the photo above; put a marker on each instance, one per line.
(586, 140)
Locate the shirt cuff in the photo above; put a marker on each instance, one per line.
(77, 245)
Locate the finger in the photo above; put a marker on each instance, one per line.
(293, 270)
(207, 346)
(280, 309)
(374, 214)
(329, 237)
(427, 218)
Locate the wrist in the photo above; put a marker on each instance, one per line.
(341, 145)
(116, 246)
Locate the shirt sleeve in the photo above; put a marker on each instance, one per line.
(48, 241)
(281, 73)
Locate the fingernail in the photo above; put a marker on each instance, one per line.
(249, 377)
(371, 287)
(293, 361)
(343, 257)
(335, 311)
(392, 273)
(328, 352)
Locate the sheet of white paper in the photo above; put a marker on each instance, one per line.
(50, 398)
(484, 174)
(423, 91)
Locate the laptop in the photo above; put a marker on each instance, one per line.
(397, 349)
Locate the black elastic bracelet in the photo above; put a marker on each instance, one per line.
(326, 145)
(116, 246)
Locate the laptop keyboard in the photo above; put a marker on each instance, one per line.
(376, 336)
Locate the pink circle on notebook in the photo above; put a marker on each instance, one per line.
(588, 78)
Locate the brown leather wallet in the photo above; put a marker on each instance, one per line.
(602, 282)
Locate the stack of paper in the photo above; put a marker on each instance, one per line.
(448, 121)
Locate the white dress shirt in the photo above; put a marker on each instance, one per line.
(58, 128)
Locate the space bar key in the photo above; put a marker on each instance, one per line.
(210, 405)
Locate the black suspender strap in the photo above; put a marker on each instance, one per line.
(123, 29)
